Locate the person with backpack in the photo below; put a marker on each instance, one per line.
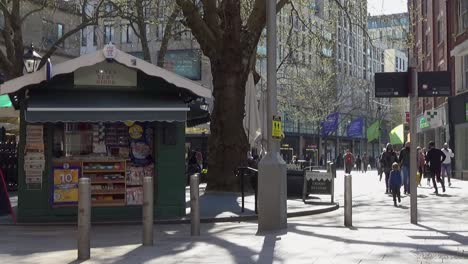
(387, 160)
(349, 161)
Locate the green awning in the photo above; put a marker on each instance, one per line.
(5, 101)
(79, 106)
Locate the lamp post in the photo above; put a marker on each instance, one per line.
(31, 60)
(272, 209)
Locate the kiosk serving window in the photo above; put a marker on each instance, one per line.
(115, 156)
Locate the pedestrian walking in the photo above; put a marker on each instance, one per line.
(388, 158)
(394, 182)
(426, 170)
(349, 161)
(447, 164)
(365, 162)
(420, 164)
(358, 163)
(435, 157)
(404, 161)
(380, 164)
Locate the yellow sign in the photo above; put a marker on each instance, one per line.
(129, 123)
(136, 131)
(277, 128)
(66, 185)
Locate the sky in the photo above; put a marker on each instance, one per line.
(381, 7)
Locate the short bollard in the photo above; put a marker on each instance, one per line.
(148, 211)
(84, 218)
(194, 204)
(348, 201)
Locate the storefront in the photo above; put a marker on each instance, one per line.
(432, 126)
(459, 131)
(107, 116)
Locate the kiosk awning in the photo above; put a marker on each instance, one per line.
(103, 107)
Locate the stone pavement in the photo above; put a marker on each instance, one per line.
(381, 234)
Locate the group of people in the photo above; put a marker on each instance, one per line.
(436, 163)
(361, 164)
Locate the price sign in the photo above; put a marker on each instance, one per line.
(66, 186)
(277, 128)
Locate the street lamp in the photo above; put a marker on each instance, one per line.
(31, 60)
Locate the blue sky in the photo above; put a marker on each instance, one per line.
(379, 7)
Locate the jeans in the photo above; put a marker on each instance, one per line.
(406, 178)
(446, 170)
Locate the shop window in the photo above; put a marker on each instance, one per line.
(461, 154)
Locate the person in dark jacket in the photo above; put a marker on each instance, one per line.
(435, 157)
(394, 182)
(387, 160)
(404, 161)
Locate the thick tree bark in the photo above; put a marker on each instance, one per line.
(227, 144)
(142, 30)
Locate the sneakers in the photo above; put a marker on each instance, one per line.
(443, 189)
(399, 199)
(394, 203)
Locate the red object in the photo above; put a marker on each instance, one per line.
(7, 197)
(407, 115)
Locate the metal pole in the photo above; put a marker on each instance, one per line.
(348, 201)
(148, 202)
(413, 146)
(272, 209)
(84, 218)
(194, 204)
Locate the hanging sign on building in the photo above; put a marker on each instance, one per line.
(391, 84)
(105, 74)
(434, 84)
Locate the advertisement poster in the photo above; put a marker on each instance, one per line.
(65, 186)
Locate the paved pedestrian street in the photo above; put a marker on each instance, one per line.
(381, 233)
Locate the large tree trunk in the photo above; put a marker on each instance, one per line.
(227, 144)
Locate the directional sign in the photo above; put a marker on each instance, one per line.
(277, 128)
(434, 84)
(391, 84)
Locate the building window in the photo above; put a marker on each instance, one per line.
(462, 16)
(84, 38)
(439, 31)
(108, 34)
(95, 29)
(126, 34)
(465, 73)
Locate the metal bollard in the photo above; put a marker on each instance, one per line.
(194, 204)
(148, 211)
(348, 201)
(84, 218)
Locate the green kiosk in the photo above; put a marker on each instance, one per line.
(108, 116)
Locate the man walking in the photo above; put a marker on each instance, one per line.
(387, 160)
(404, 161)
(435, 157)
(447, 164)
